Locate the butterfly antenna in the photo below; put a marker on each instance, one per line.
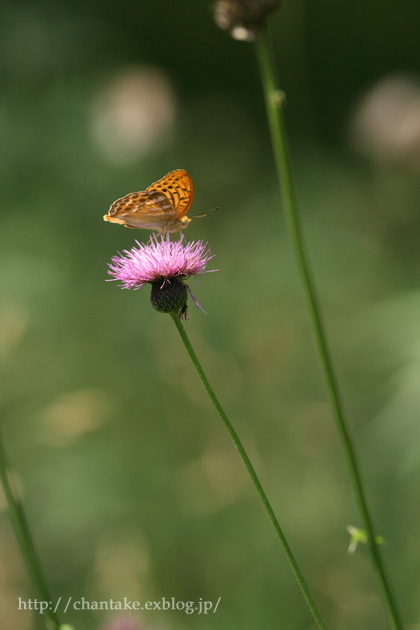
(203, 215)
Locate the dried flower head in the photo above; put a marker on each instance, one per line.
(165, 264)
(243, 18)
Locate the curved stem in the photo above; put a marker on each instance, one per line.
(26, 545)
(251, 472)
(275, 100)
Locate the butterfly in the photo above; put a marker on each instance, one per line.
(163, 206)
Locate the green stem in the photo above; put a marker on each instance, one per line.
(27, 548)
(275, 100)
(297, 573)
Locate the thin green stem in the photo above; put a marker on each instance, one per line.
(27, 548)
(275, 100)
(251, 471)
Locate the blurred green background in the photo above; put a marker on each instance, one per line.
(130, 482)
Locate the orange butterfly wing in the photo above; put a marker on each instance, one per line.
(159, 206)
(146, 205)
(178, 187)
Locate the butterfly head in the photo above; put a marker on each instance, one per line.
(176, 225)
(185, 221)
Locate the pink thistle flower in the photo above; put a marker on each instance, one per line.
(165, 264)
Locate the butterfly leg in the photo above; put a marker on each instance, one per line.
(156, 234)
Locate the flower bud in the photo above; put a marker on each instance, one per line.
(171, 297)
(243, 18)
